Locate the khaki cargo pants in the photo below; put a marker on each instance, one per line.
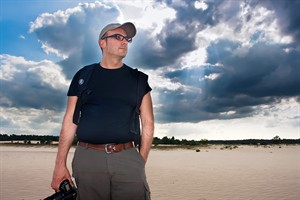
(114, 176)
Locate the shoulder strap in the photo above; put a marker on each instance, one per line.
(138, 101)
(84, 78)
(135, 121)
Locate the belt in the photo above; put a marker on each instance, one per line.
(108, 148)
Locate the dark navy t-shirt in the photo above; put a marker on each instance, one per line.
(106, 116)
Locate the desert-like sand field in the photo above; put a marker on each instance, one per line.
(214, 173)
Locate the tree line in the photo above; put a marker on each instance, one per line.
(49, 139)
(173, 141)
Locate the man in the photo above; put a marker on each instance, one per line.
(106, 166)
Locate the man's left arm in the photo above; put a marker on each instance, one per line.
(147, 120)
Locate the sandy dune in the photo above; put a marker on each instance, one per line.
(244, 173)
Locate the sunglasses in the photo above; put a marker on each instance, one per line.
(118, 37)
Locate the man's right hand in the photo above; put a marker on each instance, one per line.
(66, 138)
(60, 174)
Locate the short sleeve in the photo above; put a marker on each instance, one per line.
(144, 86)
(73, 89)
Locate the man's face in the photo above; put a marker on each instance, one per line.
(114, 47)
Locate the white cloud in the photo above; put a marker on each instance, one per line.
(8, 69)
(50, 74)
(22, 37)
(250, 25)
(48, 50)
(58, 17)
(46, 72)
(195, 58)
(211, 76)
(150, 16)
(26, 80)
(159, 82)
(30, 121)
(201, 5)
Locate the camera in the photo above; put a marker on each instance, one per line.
(66, 192)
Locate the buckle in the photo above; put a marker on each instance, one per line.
(109, 148)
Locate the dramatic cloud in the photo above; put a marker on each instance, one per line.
(239, 76)
(237, 85)
(209, 62)
(72, 34)
(32, 96)
(177, 37)
(28, 84)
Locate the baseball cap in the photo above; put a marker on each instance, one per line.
(128, 27)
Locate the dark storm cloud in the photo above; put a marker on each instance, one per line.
(177, 38)
(27, 90)
(78, 36)
(266, 70)
(173, 46)
(262, 76)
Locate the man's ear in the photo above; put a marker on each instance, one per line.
(102, 43)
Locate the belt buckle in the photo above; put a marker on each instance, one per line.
(109, 146)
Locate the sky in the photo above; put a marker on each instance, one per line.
(219, 69)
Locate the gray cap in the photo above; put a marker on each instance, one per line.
(128, 27)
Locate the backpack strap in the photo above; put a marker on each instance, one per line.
(138, 101)
(84, 78)
(135, 121)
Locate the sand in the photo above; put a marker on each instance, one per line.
(247, 173)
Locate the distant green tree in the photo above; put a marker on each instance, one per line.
(184, 142)
(276, 138)
(172, 140)
(204, 142)
(165, 140)
(156, 141)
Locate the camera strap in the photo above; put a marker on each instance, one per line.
(85, 75)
